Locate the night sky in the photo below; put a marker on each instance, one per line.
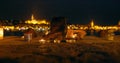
(76, 11)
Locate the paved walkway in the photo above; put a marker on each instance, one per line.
(88, 39)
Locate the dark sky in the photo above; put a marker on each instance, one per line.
(76, 11)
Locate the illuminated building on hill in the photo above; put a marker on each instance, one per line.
(34, 21)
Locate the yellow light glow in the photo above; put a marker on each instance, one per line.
(56, 41)
(32, 17)
(1, 33)
(74, 35)
(34, 21)
(9, 27)
(92, 23)
(42, 41)
(119, 23)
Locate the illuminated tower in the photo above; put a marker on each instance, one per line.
(32, 17)
(119, 23)
(92, 23)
